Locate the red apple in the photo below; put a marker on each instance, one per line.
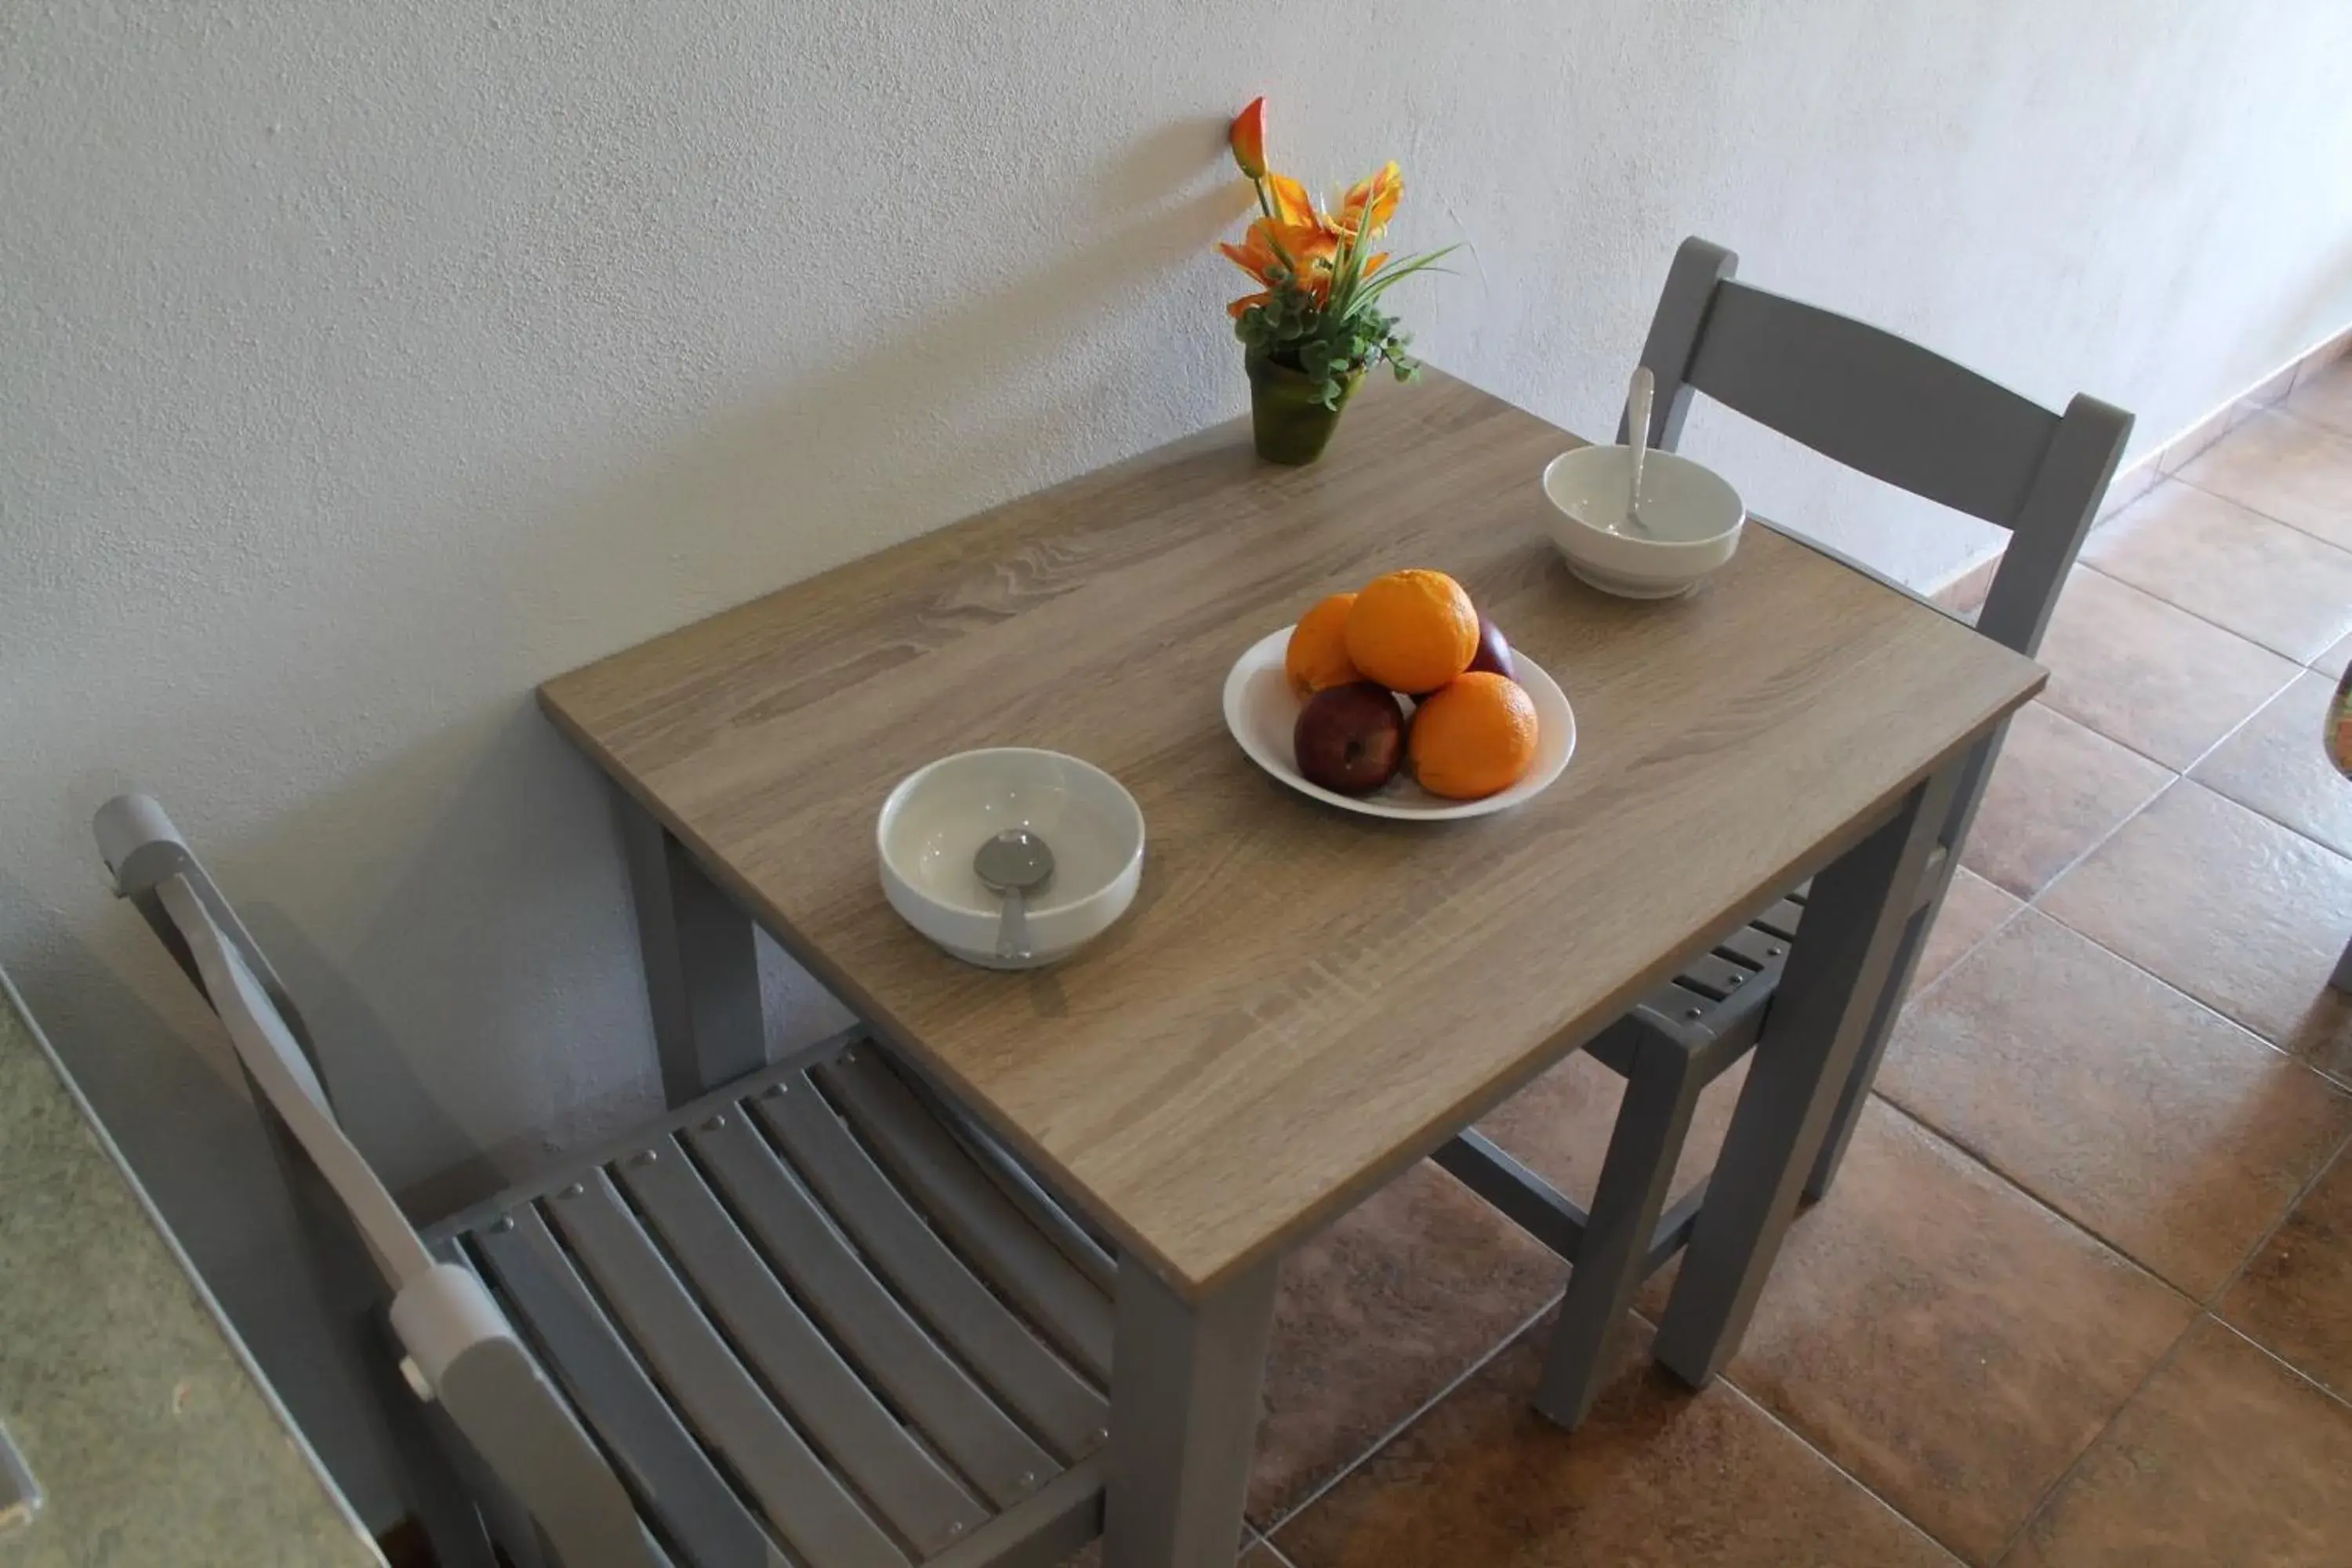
(1349, 739)
(1493, 653)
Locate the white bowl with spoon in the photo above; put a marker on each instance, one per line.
(1640, 524)
(1078, 861)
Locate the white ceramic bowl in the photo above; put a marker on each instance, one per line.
(1694, 514)
(940, 815)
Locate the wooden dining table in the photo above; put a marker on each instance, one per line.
(1303, 1002)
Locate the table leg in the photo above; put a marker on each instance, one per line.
(1959, 816)
(1865, 1071)
(1185, 1381)
(702, 964)
(1854, 922)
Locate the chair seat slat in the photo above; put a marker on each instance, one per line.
(675, 1482)
(857, 1432)
(895, 1353)
(1057, 1404)
(802, 1500)
(973, 1211)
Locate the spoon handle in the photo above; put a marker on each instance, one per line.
(1638, 397)
(1012, 926)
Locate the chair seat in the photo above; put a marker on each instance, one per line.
(810, 1321)
(1713, 1006)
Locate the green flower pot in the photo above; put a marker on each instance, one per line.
(1288, 420)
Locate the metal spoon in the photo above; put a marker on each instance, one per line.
(1638, 397)
(1014, 865)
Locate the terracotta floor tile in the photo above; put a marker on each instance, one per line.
(2285, 468)
(2171, 1132)
(1376, 1316)
(1657, 1475)
(2277, 765)
(2274, 585)
(2155, 677)
(2057, 790)
(2227, 1457)
(1973, 909)
(1945, 1339)
(2296, 1297)
(2325, 397)
(2242, 915)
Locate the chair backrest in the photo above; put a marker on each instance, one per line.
(1884, 406)
(461, 1350)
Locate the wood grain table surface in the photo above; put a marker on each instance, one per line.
(1302, 1000)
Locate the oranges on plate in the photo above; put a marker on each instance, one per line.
(1413, 634)
(1474, 737)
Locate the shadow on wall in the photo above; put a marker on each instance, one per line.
(452, 915)
(889, 441)
(442, 913)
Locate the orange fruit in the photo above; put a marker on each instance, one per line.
(1472, 738)
(1317, 658)
(1412, 631)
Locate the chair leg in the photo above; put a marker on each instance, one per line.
(2342, 979)
(431, 1476)
(1660, 1095)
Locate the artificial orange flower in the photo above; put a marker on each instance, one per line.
(1379, 195)
(1291, 204)
(1304, 250)
(1248, 139)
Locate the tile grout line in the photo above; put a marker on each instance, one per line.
(2207, 755)
(2035, 904)
(2201, 758)
(2074, 1465)
(1389, 1434)
(2179, 775)
(2208, 620)
(1808, 1445)
(2270, 1233)
(1259, 1542)
(2248, 507)
(2096, 843)
(2200, 1003)
(2164, 1362)
(2036, 1199)
(2295, 1371)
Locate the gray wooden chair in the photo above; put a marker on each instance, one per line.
(1910, 418)
(807, 1320)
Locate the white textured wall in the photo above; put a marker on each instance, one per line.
(360, 364)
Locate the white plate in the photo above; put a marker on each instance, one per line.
(1261, 710)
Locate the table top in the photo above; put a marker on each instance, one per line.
(1302, 1000)
(137, 1411)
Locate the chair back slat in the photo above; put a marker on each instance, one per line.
(1875, 401)
(458, 1343)
(279, 1070)
(1884, 406)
